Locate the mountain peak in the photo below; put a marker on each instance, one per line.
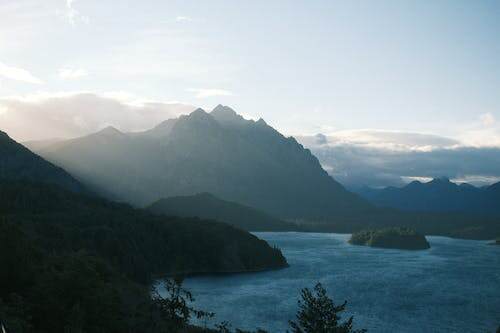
(440, 180)
(110, 130)
(199, 113)
(163, 129)
(321, 139)
(261, 122)
(223, 108)
(227, 116)
(199, 119)
(4, 136)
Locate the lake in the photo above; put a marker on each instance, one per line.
(452, 287)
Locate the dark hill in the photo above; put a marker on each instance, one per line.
(207, 206)
(138, 243)
(19, 163)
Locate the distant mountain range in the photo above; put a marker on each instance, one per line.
(220, 152)
(207, 206)
(438, 195)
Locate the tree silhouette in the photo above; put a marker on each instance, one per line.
(174, 308)
(318, 314)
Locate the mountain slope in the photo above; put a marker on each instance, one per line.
(74, 262)
(32, 196)
(207, 206)
(19, 163)
(138, 243)
(220, 152)
(438, 195)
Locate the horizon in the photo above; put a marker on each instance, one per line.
(390, 67)
(228, 166)
(405, 80)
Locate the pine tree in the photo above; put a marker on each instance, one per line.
(318, 314)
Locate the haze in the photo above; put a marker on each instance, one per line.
(343, 69)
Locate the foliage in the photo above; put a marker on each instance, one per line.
(175, 308)
(137, 243)
(73, 263)
(318, 314)
(208, 206)
(397, 237)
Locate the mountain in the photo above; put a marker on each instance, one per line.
(36, 192)
(63, 252)
(208, 206)
(71, 261)
(220, 152)
(438, 195)
(19, 163)
(136, 242)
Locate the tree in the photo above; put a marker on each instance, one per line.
(174, 308)
(318, 314)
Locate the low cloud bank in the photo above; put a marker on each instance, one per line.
(355, 158)
(379, 159)
(68, 115)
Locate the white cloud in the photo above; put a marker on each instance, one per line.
(71, 114)
(72, 15)
(356, 164)
(487, 119)
(72, 73)
(482, 137)
(3, 110)
(484, 132)
(477, 179)
(409, 179)
(380, 139)
(19, 74)
(183, 19)
(204, 93)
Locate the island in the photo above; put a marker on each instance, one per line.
(392, 238)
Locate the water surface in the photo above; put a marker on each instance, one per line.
(452, 287)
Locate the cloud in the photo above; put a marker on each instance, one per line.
(205, 93)
(484, 132)
(385, 140)
(3, 110)
(72, 73)
(379, 158)
(66, 115)
(487, 119)
(19, 74)
(72, 15)
(183, 19)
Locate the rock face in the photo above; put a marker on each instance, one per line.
(220, 152)
(393, 238)
(208, 206)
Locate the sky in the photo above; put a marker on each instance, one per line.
(306, 67)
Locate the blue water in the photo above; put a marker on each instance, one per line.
(452, 287)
